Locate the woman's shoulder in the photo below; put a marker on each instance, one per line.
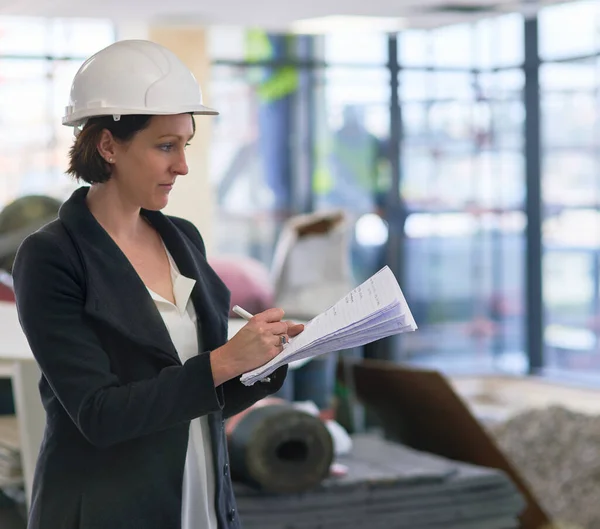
(50, 243)
(51, 234)
(190, 230)
(184, 224)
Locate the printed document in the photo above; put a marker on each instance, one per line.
(373, 310)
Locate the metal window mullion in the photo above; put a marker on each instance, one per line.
(534, 319)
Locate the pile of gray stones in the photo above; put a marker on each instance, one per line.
(557, 452)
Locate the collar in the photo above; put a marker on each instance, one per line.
(115, 293)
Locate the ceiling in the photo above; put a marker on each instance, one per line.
(270, 14)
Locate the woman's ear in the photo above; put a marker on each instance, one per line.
(107, 146)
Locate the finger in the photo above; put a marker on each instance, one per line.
(294, 329)
(270, 315)
(278, 327)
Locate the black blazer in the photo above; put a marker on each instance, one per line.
(118, 400)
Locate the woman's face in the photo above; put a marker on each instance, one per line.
(146, 168)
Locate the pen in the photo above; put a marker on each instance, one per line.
(243, 313)
(246, 315)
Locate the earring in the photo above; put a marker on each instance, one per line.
(111, 160)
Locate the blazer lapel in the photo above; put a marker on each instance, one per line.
(210, 295)
(115, 293)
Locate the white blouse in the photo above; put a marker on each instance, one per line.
(198, 506)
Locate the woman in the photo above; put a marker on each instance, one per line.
(127, 320)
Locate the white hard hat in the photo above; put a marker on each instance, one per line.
(133, 77)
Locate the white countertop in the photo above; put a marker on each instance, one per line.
(14, 346)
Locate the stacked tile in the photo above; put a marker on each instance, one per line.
(10, 458)
(393, 487)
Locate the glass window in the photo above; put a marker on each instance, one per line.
(351, 141)
(441, 247)
(62, 72)
(24, 36)
(455, 126)
(433, 181)
(485, 51)
(453, 46)
(570, 178)
(239, 44)
(24, 91)
(253, 159)
(500, 180)
(227, 43)
(572, 228)
(344, 86)
(569, 76)
(451, 126)
(426, 85)
(489, 32)
(569, 119)
(466, 45)
(346, 48)
(418, 179)
(463, 183)
(569, 29)
(235, 143)
(488, 181)
(569, 295)
(78, 37)
(351, 144)
(34, 91)
(508, 122)
(415, 123)
(62, 76)
(570, 165)
(506, 84)
(416, 85)
(464, 280)
(414, 48)
(454, 85)
(509, 32)
(54, 37)
(25, 127)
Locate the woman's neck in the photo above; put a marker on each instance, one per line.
(118, 216)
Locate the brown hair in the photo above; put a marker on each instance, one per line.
(85, 162)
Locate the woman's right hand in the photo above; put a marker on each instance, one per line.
(258, 342)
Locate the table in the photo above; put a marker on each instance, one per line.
(17, 363)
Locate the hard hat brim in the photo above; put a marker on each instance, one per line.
(77, 118)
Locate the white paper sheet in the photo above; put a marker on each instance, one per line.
(373, 310)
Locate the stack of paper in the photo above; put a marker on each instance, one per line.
(374, 310)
